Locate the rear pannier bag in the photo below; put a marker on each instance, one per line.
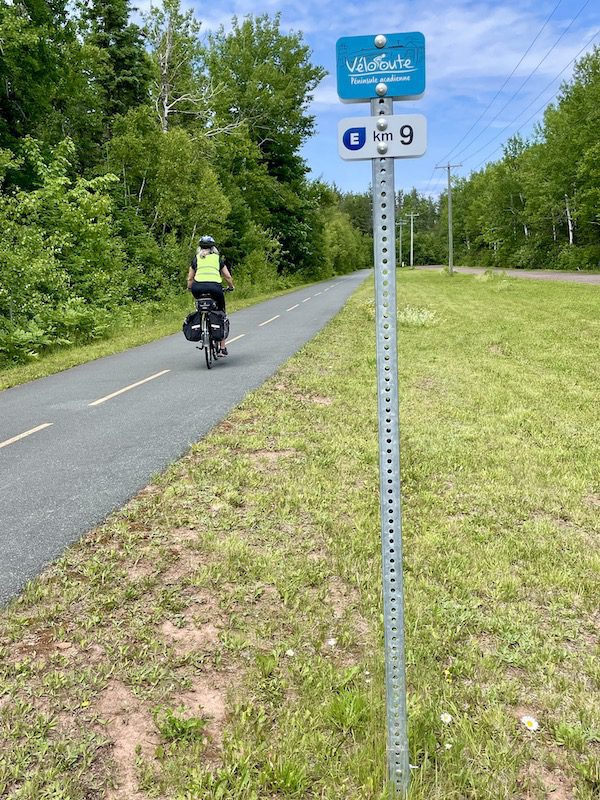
(192, 327)
(218, 325)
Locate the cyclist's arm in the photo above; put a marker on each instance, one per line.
(191, 273)
(227, 275)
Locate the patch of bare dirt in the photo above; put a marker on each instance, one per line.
(95, 653)
(521, 711)
(141, 570)
(207, 698)
(593, 500)
(266, 458)
(340, 596)
(320, 400)
(538, 781)
(186, 564)
(150, 490)
(129, 726)
(179, 535)
(41, 645)
(35, 645)
(191, 638)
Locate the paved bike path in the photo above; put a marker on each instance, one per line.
(113, 423)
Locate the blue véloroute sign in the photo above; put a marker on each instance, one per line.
(388, 65)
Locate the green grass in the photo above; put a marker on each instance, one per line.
(231, 613)
(142, 326)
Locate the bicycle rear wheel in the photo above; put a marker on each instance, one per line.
(207, 342)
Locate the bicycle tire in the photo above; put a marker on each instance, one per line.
(207, 342)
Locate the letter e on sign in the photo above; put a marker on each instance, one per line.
(355, 138)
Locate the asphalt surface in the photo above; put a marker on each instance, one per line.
(87, 450)
(532, 274)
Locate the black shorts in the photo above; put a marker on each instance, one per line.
(215, 290)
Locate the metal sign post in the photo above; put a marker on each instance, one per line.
(384, 202)
(380, 69)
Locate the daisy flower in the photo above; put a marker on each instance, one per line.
(446, 718)
(530, 723)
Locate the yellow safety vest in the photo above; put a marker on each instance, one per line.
(208, 268)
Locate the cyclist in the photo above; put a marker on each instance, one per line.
(205, 276)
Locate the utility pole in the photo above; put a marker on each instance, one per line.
(401, 223)
(450, 240)
(412, 218)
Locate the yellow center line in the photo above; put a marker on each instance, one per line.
(27, 433)
(127, 388)
(230, 341)
(291, 308)
(266, 322)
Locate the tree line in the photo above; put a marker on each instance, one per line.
(538, 206)
(120, 144)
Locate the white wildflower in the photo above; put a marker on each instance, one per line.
(530, 723)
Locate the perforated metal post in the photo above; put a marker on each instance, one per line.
(389, 462)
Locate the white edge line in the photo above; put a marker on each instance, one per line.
(26, 433)
(306, 299)
(293, 307)
(127, 388)
(266, 322)
(235, 338)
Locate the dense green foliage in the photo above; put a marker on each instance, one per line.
(537, 207)
(121, 145)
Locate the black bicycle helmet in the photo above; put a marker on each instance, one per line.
(207, 241)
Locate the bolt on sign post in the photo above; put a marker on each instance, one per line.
(380, 69)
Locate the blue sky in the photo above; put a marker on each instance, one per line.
(471, 48)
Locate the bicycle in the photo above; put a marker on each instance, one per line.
(210, 346)
(204, 305)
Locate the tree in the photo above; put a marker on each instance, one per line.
(30, 65)
(126, 76)
(179, 86)
(266, 79)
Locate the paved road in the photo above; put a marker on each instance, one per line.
(535, 274)
(75, 446)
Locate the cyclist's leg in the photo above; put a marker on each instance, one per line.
(219, 296)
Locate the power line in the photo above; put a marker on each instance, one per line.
(534, 70)
(491, 103)
(545, 104)
(429, 181)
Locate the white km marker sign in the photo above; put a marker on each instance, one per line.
(401, 136)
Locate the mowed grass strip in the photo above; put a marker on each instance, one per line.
(221, 637)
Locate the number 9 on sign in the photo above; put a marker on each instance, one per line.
(407, 134)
